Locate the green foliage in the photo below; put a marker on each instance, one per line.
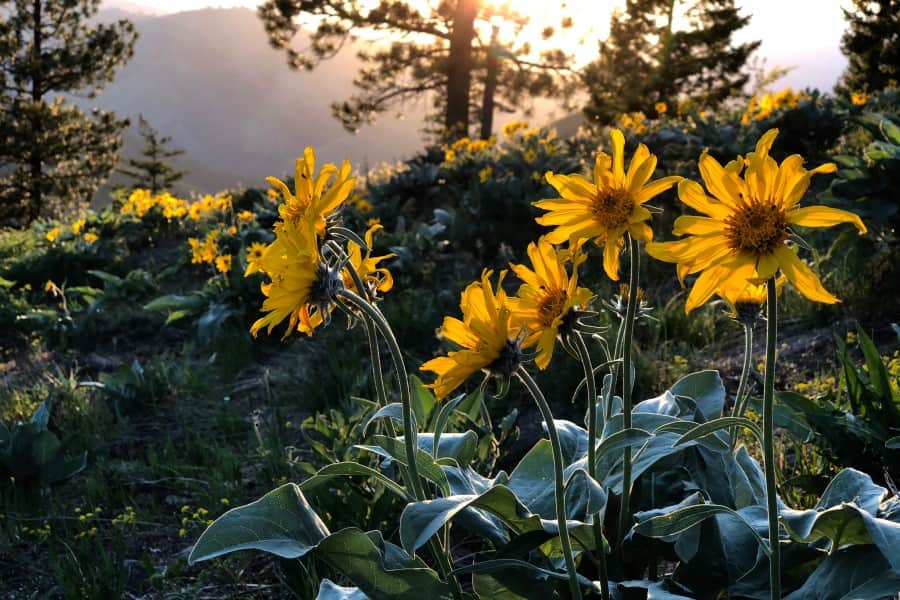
(871, 46)
(54, 155)
(152, 172)
(646, 60)
(32, 456)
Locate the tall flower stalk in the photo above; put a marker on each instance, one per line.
(558, 479)
(740, 405)
(769, 438)
(627, 384)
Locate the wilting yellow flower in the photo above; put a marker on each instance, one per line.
(485, 173)
(747, 224)
(367, 266)
(315, 197)
(486, 335)
(373, 221)
(747, 294)
(52, 235)
(858, 98)
(661, 107)
(223, 263)
(547, 296)
(77, 226)
(91, 237)
(297, 274)
(610, 206)
(245, 216)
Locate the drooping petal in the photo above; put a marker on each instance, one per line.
(803, 278)
(824, 216)
(611, 253)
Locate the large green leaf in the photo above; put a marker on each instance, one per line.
(655, 590)
(423, 400)
(379, 569)
(856, 573)
(352, 469)
(853, 486)
(682, 519)
(395, 449)
(329, 590)
(707, 391)
(461, 447)
(503, 564)
(716, 425)
(281, 523)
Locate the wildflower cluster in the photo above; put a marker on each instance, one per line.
(78, 230)
(191, 518)
(761, 107)
(40, 532)
(87, 522)
(635, 122)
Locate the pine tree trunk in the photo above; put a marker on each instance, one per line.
(459, 70)
(36, 163)
(490, 88)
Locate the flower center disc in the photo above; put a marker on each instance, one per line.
(612, 208)
(551, 307)
(758, 228)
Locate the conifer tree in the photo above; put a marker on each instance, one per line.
(872, 46)
(53, 153)
(668, 51)
(447, 48)
(153, 172)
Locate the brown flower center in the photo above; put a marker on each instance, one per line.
(612, 208)
(757, 228)
(551, 306)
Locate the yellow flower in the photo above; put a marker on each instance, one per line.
(49, 286)
(315, 197)
(297, 275)
(52, 235)
(743, 235)
(610, 206)
(233, 230)
(450, 155)
(363, 206)
(485, 334)
(858, 98)
(547, 296)
(747, 296)
(509, 129)
(245, 216)
(195, 210)
(272, 195)
(91, 237)
(223, 263)
(373, 221)
(254, 255)
(366, 266)
(77, 226)
(485, 173)
(530, 155)
(661, 108)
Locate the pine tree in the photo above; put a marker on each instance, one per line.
(445, 48)
(649, 58)
(872, 46)
(152, 172)
(52, 153)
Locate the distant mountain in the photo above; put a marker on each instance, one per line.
(210, 80)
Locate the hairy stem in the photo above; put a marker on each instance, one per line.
(591, 385)
(558, 476)
(740, 403)
(769, 439)
(631, 311)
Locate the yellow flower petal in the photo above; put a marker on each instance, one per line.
(803, 278)
(824, 216)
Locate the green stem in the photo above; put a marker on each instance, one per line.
(409, 432)
(558, 476)
(591, 385)
(769, 439)
(631, 311)
(740, 404)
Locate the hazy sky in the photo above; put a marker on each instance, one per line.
(800, 33)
